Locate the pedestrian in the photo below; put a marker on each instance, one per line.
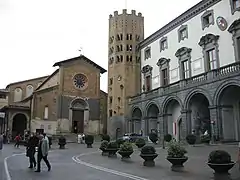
(43, 148)
(31, 146)
(17, 141)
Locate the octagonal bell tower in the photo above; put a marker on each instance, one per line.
(124, 70)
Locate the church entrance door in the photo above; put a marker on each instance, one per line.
(78, 121)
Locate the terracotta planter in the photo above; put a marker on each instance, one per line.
(104, 152)
(89, 145)
(125, 154)
(148, 159)
(177, 163)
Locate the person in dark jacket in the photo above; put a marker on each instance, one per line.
(31, 145)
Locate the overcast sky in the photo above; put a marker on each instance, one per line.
(34, 34)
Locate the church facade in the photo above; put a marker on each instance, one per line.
(67, 101)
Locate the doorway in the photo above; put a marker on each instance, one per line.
(78, 121)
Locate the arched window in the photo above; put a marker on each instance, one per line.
(29, 90)
(17, 94)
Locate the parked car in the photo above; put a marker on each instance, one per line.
(131, 137)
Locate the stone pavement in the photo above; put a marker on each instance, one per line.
(64, 168)
(195, 168)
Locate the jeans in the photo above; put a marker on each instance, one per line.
(40, 157)
(32, 159)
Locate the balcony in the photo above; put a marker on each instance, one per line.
(228, 71)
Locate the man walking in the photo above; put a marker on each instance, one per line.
(43, 153)
(31, 146)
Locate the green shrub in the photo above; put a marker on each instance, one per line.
(104, 145)
(112, 145)
(168, 137)
(120, 142)
(148, 150)
(106, 137)
(126, 147)
(191, 139)
(175, 150)
(140, 142)
(153, 137)
(89, 139)
(219, 157)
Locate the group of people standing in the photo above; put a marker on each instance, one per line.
(41, 144)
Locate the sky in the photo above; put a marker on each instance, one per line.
(34, 34)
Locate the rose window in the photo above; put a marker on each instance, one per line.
(80, 81)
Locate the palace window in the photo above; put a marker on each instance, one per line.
(148, 83)
(129, 47)
(235, 5)
(207, 19)
(147, 73)
(209, 43)
(212, 59)
(234, 29)
(164, 75)
(184, 58)
(147, 53)
(163, 64)
(182, 33)
(163, 44)
(129, 37)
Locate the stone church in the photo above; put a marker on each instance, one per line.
(67, 101)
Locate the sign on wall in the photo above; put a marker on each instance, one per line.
(2, 115)
(222, 23)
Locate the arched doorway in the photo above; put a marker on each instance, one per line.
(229, 103)
(199, 117)
(152, 116)
(80, 114)
(172, 113)
(19, 124)
(136, 120)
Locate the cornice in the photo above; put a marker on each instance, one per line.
(186, 16)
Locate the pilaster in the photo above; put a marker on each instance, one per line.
(215, 121)
(185, 126)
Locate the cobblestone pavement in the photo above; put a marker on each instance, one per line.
(92, 166)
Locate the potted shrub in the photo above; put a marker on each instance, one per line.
(103, 148)
(205, 138)
(140, 142)
(112, 148)
(89, 140)
(126, 150)
(176, 156)
(220, 161)
(61, 142)
(148, 153)
(168, 137)
(191, 139)
(153, 137)
(106, 137)
(120, 142)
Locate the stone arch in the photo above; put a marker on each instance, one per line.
(221, 88)
(78, 115)
(194, 92)
(148, 106)
(227, 101)
(197, 104)
(136, 117)
(19, 123)
(151, 120)
(167, 100)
